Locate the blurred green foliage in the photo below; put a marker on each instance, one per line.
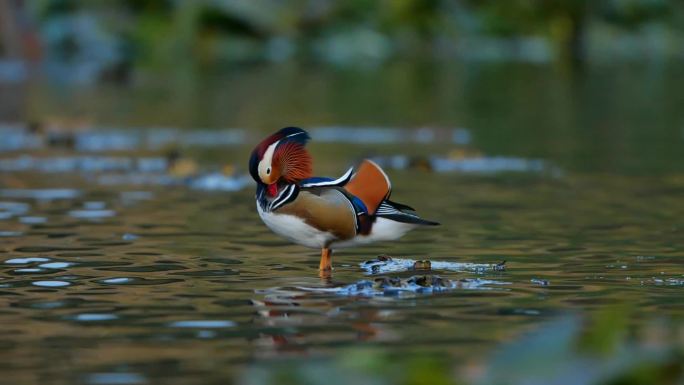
(600, 350)
(605, 331)
(164, 32)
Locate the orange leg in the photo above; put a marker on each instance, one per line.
(326, 260)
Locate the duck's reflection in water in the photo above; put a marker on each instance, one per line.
(293, 320)
(310, 318)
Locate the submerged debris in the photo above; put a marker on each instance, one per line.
(388, 282)
(422, 265)
(417, 284)
(428, 281)
(386, 264)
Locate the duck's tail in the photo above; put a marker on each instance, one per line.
(401, 213)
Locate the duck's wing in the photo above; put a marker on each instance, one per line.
(327, 209)
(370, 185)
(366, 188)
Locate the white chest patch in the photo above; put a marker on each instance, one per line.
(295, 229)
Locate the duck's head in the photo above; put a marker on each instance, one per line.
(281, 159)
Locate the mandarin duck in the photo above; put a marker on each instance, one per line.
(324, 213)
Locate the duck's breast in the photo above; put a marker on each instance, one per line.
(294, 229)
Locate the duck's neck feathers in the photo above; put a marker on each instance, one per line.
(286, 195)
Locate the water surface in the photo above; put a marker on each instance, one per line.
(115, 270)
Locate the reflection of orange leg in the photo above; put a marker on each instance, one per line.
(326, 260)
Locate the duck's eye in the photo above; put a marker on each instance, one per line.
(268, 171)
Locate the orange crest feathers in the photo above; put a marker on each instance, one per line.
(294, 162)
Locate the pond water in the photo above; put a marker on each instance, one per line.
(116, 267)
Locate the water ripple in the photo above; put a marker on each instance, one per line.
(203, 324)
(95, 317)
(23, 261)
(51, 283)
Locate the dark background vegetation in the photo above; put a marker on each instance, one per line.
(121, 38)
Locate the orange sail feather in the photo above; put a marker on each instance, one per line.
(370, 184)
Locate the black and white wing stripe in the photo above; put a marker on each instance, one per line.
(387, 208)
(400, 213)
(341, 181)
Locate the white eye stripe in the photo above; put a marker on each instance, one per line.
(266, 162)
